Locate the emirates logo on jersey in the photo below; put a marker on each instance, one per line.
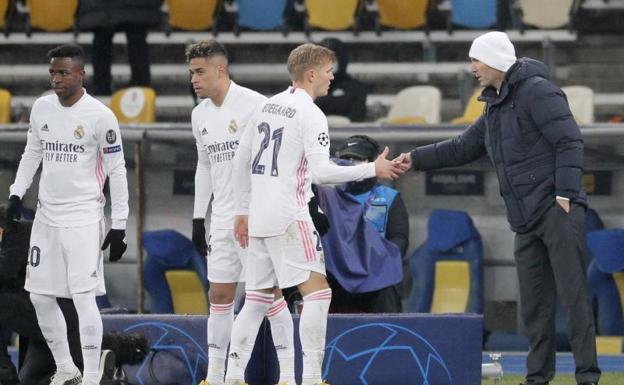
(79, 132)
(233, 127)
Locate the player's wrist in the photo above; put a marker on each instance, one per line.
(119, 224)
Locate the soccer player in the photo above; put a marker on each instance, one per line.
(217, 123)
(77, 140)
(284, 148)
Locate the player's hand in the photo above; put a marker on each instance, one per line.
(241, 233)
(14, 209)
(385, 168)
(199, 236)
(404, 161)
(321, 223)
(117, 240)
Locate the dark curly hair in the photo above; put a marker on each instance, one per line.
(206, 49)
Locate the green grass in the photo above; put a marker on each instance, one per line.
(612, 378)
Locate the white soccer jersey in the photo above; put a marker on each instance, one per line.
(284, 148)
(217, 130)
(79, 147)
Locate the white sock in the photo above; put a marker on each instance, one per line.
(245, 331)
(312, 332)
(90, 323)
(54, 329)
(219, 325)
(283, 338)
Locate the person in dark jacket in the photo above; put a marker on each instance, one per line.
(104, 18)
(17, 313)
(385, 210)
(536, 148)
(346, 95)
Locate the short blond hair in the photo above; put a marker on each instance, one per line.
(305, 56)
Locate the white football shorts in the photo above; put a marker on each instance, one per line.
(284, 260)
(65, 260)
(226, 259)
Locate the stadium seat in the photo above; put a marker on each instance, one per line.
(606, 279)
(337, 120)
(168, 250)
(187, 293)
(192, 15)
(402, 14)
(134, 105)
(545, 14)
(473, 14)
(4, 7)
(415, 105)
(5, 106)
(261, 15)
(51, 16)
(473, 110)
(331, 15)
(581, 101)
(448, 268)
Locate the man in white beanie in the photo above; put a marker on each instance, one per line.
(536, 148)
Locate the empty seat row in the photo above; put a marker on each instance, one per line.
(329, 15)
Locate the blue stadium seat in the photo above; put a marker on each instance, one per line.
(473, 14)
(606, 279)
(448, 269)
(168, 250)
(261, 15)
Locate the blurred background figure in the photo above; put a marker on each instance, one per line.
(105, 18)
(347, 95)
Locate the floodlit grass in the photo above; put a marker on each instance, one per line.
(612, 378)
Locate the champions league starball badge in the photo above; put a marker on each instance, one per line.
(323, 139)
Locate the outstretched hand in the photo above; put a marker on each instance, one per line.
(404, 161)
(385, 168)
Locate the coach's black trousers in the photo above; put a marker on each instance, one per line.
(551, 260)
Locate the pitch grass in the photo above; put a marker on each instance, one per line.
(611, 378)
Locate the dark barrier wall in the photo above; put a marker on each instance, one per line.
(361, 349)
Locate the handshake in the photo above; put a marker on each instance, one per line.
(392, 169)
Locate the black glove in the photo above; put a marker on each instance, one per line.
(117, 241)
(321, 223)
(199, 236)
(14, 209)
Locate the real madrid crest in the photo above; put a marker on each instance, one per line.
(233, 127)
(79, 132)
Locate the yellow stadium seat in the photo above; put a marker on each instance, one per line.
(5, 106)
(134, 105)
(609, 344)
(406, 120)
(51, 15)
(192, 15)
(451, 287)
(332, 15)
(4, 7)
(403, 14)
(473, 109)
(581, 102)
(187, 292)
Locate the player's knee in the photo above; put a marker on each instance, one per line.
(221, 295)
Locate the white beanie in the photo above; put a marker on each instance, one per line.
(494, 49)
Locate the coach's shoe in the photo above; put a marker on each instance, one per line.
(60, 378)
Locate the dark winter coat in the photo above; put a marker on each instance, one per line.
(113, 13)
(532, 139)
